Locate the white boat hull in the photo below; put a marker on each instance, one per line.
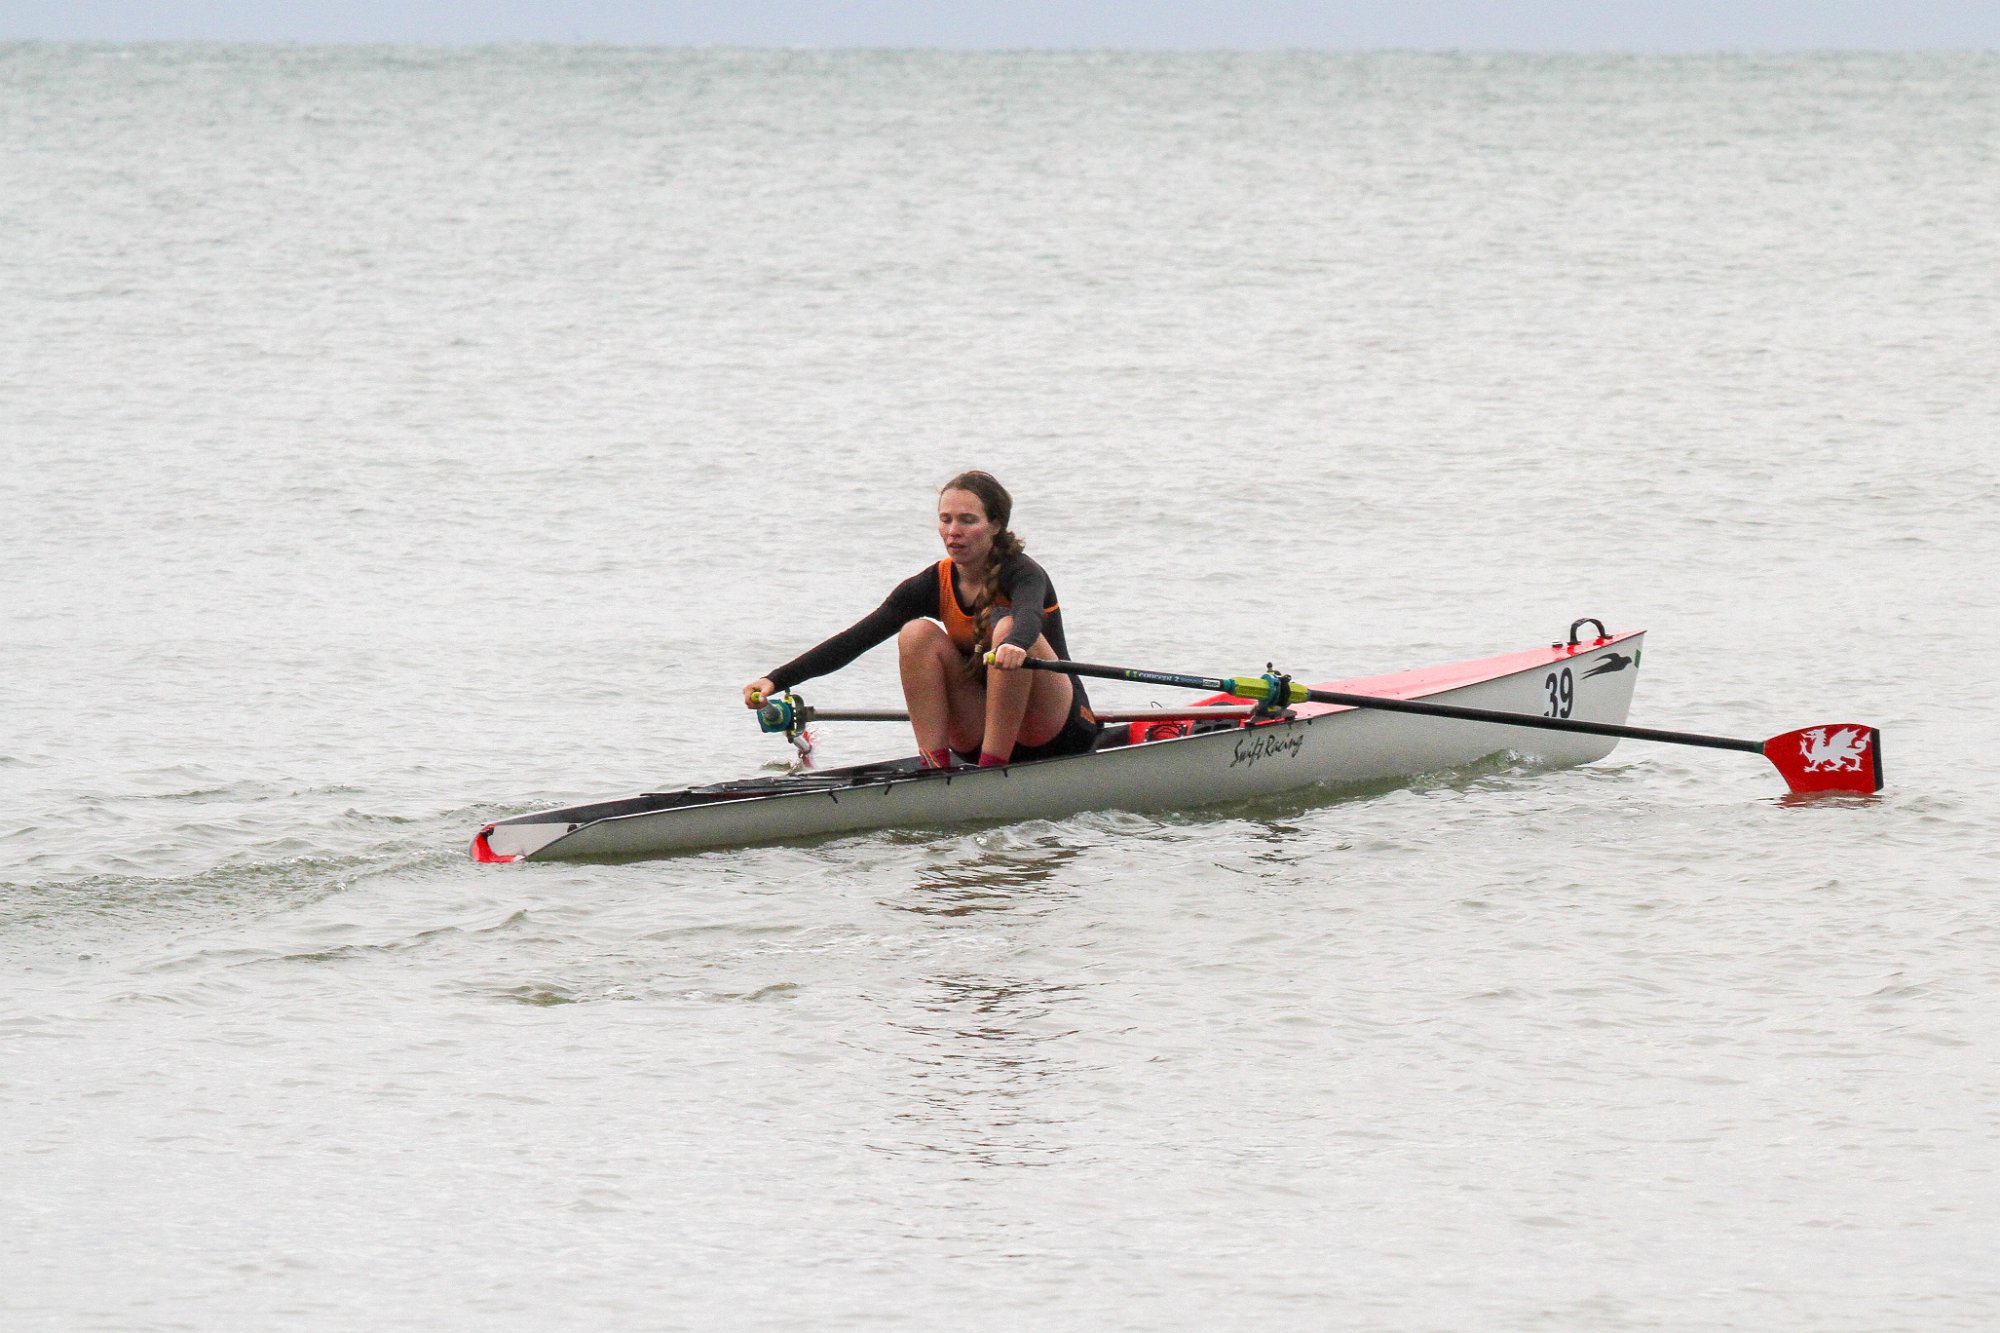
(1320, 745)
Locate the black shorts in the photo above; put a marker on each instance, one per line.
(1078, 734)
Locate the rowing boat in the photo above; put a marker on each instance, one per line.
(1552, 694)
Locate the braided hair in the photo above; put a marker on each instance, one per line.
(999, 508)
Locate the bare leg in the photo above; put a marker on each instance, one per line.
(1023, 707)
(947, 704)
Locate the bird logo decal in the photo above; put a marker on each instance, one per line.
(1833, 751)
(1608, 663)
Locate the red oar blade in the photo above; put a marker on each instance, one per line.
(1837, 756)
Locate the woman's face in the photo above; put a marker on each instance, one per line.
(964, 528)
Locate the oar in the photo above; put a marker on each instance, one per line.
(792, 715)
(1832, 757)
(790, 712)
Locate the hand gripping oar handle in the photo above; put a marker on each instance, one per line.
(1841, 756)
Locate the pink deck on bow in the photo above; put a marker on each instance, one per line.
(1436, 680)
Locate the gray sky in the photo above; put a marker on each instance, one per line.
(1637, 25)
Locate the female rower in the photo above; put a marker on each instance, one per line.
(984, 592)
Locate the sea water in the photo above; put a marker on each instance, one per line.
(400, 439)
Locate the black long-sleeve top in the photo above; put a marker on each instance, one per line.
(1025, 594)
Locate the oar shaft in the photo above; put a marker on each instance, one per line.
(812, 714)
(1507, 719)
(1215, 683)
(1254, 687)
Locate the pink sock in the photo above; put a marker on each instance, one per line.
(988, 759)
(936, 758)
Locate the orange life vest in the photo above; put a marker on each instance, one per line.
(960, 624)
